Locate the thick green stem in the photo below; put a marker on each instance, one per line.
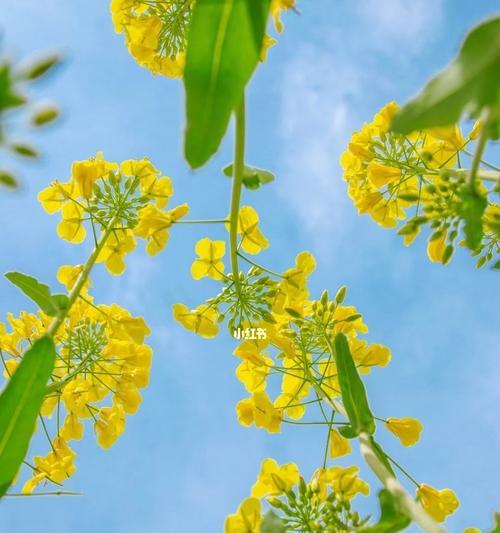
(238, 169)
(80, 282)
(481, 145)
(410, 506)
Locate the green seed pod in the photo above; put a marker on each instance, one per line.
(341, 294)
(324, 298)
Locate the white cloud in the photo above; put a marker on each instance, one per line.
(316, 119)
(400, 21)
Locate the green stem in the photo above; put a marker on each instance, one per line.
(245, 258)
(238, 169)
(481, 145)
(80, 282)
(410, 506)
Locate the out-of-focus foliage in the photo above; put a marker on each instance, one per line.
(19, 113)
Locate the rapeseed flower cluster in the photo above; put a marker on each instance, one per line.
(122, 201)
(156, 31)
(418, 177)
(323, 502)
(102, 363)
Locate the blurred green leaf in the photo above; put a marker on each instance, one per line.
(41, 67)
(20, 404)
(392, 519)
(469, 83)
(224, 45)
(51, 304)
(44, 115)
(272, 523)
(352, 388)
(9, 98)
(472, 210)
(8, 180)
(253, 177)
(24, 150)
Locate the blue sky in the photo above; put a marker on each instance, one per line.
(184, 462)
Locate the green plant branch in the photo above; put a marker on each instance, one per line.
(410, 506)
(238, 169)
(481, 145)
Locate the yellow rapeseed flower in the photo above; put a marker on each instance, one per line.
(438, 503)
(247, 519)
(274, 479)
(406, 429)
(202, 320)
(209, 263)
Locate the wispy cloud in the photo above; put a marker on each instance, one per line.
(316, 117)
(402, 22)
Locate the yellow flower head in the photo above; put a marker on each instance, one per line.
(145, 33)
(274, 479)
(71, 227)
(436, 247)
(209, 263)
(119, 244)
(438, 503)
(343, 481)
(252, 239)
(277, 6)
(153, 225)
(247, 519)
(68, 275)
(339, 445)
(56, 195)
(259, 410)
(202, 320)
(86, 173)
(406, 429)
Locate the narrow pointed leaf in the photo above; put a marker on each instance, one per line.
(51, 304)
(20, 403)
(352, 388)
(224, 45)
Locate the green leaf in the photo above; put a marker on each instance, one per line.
(45, 115)
(472, 210)
(8, 180)
(352, 388)
(9, 98)
(40, 67)
(272, 523)
(392, 519)
(469, 83)
(20, 403)
(51, 304)
(224, 46)
(347, 431)
(253, 177)
(496, 518)
(379, 452)
(24, 150)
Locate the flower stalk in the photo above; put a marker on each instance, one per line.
(238, 169)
